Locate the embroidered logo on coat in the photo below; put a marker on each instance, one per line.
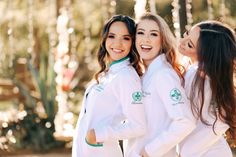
(99, 88)
(175, 95)
(137, 96)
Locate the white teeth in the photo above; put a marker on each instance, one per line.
(117, 50)
(146, 47)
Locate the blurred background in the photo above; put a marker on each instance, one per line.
(48, 55)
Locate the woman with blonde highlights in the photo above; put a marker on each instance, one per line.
(164, 97)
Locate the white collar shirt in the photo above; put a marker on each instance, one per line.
(168, 118)
(114, 108)
(203, 142)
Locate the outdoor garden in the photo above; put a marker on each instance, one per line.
(48, 55)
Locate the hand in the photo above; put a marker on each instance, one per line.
(91, 137)
(144, 153)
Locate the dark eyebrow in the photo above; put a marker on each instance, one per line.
(126, 35)
(111, 33)
(187, 32)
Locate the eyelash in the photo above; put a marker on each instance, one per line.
(190, 46)
(110, 36)
(140, 33)
(154, 34)
(126, 38)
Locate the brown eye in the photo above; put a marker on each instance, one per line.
(127, 38)
(110, 36)
(140, 33)
(154, 34)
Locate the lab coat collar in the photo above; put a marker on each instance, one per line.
(155, 65)
(117, 65)
(194, 65)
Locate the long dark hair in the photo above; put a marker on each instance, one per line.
(216, 60)
(102, 52)
(168, 46)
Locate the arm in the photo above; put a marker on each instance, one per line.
(204, 138)
(201, 145)
(128, 92)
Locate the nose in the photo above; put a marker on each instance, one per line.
(147, 38)
(118, 42)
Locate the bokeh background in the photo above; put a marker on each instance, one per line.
(48, 55)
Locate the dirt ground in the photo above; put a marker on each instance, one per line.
(52, 154)
(40, 155)
(26, 153)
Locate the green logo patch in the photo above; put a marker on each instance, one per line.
(137, 96)
(175, 95)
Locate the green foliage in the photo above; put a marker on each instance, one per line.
(31, 133)
(88, 20)
(44, 80)
(35, 130)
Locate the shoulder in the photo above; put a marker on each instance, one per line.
(190, 75)
(191, 71)
(167, 74)
(128, 73)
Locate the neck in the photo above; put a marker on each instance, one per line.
(147, 63)
(194, 60)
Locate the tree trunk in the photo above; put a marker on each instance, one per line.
(183, 16)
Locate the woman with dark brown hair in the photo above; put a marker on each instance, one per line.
(209, 85)
(112, 108)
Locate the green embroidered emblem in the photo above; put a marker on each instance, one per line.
(137, 96)
(99, 88)
(175, 94)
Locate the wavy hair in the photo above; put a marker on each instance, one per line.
(168, 42)
(216, 50)
(102, 53)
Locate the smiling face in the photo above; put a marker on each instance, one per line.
(148, 40)
(188, 44)
(118, 42)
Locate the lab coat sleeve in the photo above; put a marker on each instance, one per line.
(75, 145)
(173, 97)
(127, 90)
(204, 137)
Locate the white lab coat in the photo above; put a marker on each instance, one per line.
(117, 98)
(169, 120)
(203, 142)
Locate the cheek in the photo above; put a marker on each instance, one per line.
(193, 53)
(157, 45)
(107, 43)
(136, 43)
(129, 44)
(138, 38)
